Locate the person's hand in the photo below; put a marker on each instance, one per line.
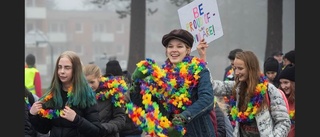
(179, 119)
(68, 113)
(202, 48)
(35, 108)
(137, 74)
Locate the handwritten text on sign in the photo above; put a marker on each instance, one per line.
(201, 18)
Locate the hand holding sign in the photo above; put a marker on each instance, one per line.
(201, 18)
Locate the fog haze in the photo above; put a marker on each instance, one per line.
(98, 34)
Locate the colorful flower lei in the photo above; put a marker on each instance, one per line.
(291, 115)
(171, 86)
(52, 113)
(229, 74)
(252, 106)
(26, 99)
(114, 87)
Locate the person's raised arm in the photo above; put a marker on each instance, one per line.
(202, 49)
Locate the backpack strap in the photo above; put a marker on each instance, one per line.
(283, 96)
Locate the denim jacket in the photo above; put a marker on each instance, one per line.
(271, 123)
(197, 115)
(198, 122)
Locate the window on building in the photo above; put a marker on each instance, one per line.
(120, 28)
(57, 27)
(99, 28)
(78, 27)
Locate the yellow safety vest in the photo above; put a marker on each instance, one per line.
(29, 74)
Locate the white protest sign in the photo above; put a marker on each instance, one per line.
(201, 18)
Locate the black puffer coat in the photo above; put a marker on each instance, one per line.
(112, 118)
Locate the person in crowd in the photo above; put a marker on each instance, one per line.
(278, 55)
(178, 97)
(32, 79)
(130, 129)
(224, 126)
(250, 112)
(68, 108)
(29, 131)
(289, 58)
(287, 85)
(29, 99)
(229, 71)
(272, 70)
(112, 115)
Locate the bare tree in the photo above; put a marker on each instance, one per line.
(137, 33)
(274, 28)
(137, 10)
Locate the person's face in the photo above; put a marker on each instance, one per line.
(176, 51)
(271, 75)
(240, 70)
(287, 86)
(65, 71)
(93, 82)
(286, 62)
(278, 57)
(231, 63)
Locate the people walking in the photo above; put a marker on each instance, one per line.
(287, 85)
(251, 114)
(109, 91)
(176, 98)
(68, 108)
(32, 79)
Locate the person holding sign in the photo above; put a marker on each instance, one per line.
(178, 97)
(251, 113)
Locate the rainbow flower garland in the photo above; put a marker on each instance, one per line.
(291, 115)
(26, 99)
(229, 74)
(52, 113)
(171, 86)
(114, 87)
(253, 105)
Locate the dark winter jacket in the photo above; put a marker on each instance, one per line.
(85, 124)
(112, 118)
(130, 128)
(224, 126)
(29, 131)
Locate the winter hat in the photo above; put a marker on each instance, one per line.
(232, 53)
(288, 73)
(113, 68)
(30, 59)
(271, 64)
(290, 56)
(179, 34)
(277, 53)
